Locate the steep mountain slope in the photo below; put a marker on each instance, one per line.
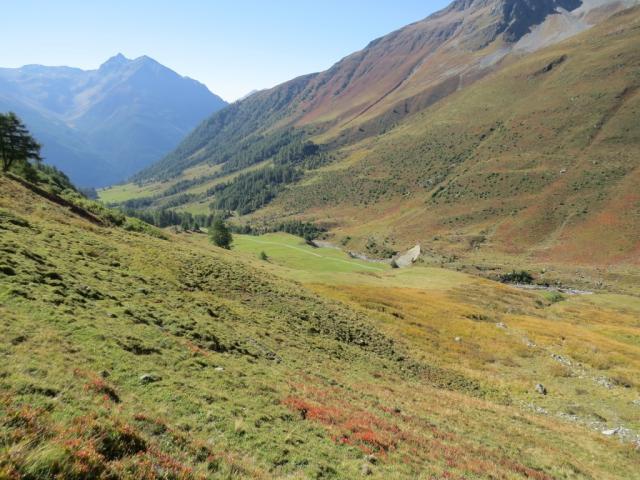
(540, 159)
(130, 356)
(101, 126)
(394, 76)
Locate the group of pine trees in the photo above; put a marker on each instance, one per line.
(163, 218)
(289, 155)
(307, 230)
(245, 151)
(253, 190)
(20, 155)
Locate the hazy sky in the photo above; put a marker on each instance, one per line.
(233, 46)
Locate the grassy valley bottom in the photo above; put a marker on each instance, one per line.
(124, 355)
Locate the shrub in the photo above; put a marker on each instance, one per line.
(517, 277)
(220, 235)
(554, 297)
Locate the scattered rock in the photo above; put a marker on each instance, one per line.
(569, 416)
(611, 432)
(501, 325)
(605, 382)
(89, 293)
(636, 402)
(561, 359)
(149, 378)
(457, 339)
(540, 410)
(541, 389)
(550, 66)
(219, 369)
(372, 459)
(18, 340)
(366, 470)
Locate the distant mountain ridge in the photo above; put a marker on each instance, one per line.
(101, 126)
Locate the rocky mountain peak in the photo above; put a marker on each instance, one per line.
(114, 62)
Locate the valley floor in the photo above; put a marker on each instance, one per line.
(124, 355)
(572, 342)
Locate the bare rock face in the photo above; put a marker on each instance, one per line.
(512, 19)
(519, 16)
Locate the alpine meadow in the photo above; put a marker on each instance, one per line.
(420, 263)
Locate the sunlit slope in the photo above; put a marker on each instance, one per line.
(128, 356)
(540, 160)
(392, 78)
(583, 349)
(294, 253)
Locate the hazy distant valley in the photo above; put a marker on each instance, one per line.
(102, 126)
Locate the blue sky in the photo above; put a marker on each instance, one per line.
(233, 46)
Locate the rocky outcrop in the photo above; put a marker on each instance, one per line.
(408, 258)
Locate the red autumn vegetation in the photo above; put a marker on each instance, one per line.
(362, 429)
(98, 385)
(414, 438)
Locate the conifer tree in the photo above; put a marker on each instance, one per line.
(220, 235)
(16, 143)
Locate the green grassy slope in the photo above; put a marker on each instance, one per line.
(86, 313)
(129, 356)
(294, 253)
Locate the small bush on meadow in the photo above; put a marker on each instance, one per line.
(522, 276)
